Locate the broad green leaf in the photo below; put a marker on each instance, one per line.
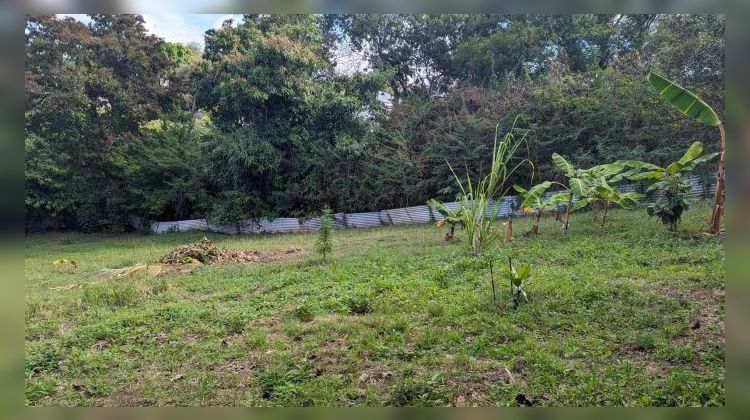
(605, 193)
(519, 189)
(523, 272)
(581, 203)
(630, 199)
(533, 198)
(563, 164)
(705, 158)
(579, 187)
(559, 198)
(627, 174)
(606, 170)
(637, 164)
(655, 175)
(684, 100)
(673, 168)
(692, 152)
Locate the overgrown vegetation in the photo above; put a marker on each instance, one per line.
(629, 315)
(263, 123)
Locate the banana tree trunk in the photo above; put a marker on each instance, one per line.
(714, 225)
(567, 212)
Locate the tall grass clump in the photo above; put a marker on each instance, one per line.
(478, 202)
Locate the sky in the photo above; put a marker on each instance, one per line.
(187, 28)
(178, 27)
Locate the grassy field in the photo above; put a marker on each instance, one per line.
(631, 314)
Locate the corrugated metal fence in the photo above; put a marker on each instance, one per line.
(406, 215)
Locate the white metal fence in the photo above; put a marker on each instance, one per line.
(406, 215)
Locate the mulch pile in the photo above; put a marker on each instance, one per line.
(205, 252)
(183, 260)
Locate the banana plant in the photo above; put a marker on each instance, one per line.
(534, 203)
(518, 277)
(450, 217)
(591, 185)
(692, 106)
(602, 192)
(670, 180)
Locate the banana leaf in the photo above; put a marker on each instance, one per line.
(533, 197)
(684, 100)
(563, 164)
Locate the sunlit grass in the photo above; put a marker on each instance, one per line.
(397, 317)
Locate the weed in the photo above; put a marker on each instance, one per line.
(234, 324)
(110, 295)
(303, 313)
(160, 287)
(255, 339)
(359, 304)
(644, 341)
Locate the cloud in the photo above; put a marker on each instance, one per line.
(184, 28)
(174, 28)
(220, 20)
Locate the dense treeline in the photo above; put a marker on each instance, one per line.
(266, 120)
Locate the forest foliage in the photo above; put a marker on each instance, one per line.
(267, 120)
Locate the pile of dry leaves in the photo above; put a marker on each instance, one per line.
(204, 252)
(182, 260)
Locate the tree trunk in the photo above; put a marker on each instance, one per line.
(567, 212)
(595, 210)
(604, 219)
(535, 223)
(714, 225)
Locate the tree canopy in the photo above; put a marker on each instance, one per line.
(262, 121)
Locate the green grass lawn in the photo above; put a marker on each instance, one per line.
(397, 317)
